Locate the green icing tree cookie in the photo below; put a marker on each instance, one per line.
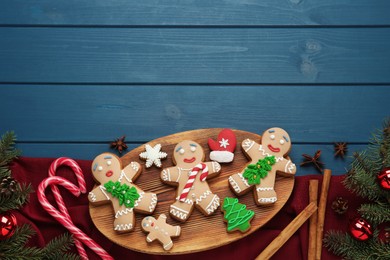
(236, 215)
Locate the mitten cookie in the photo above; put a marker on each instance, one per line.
(267, 160)
(116, 187)
(222, 150)
(190, 175)
(160, 230)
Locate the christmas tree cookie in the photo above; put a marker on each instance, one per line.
(236, 215)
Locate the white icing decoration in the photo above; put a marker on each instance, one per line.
(109, 163)
(141, 195)
(193, 148)
(203, 196)
(281, 141)
(248, 143)
(153, 155)
(166, 176)
(289, 167)
(243, 179)
(134, 165)
(268, 200)
(123, 227)
(234, 185)
(123, 174)
(181, 151)
(224, 143)
(153, 202)
(265, 188)
(213, 205)
(180, 213)
(272, 137)
(92, 196)
(123, 212)
(216, 166)
(267, 154)
(222, 156)
(100, 168)
(167, 245)
(102, 188)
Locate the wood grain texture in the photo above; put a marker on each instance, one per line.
(196, 55)
(93, 114)
(174, 12)
(198, 233)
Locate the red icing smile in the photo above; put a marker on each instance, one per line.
(273, 149)
(191, 160)
(109, 173)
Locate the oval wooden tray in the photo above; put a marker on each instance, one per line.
(198, 232)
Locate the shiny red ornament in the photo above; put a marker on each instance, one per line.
(360, 229)
(384, 178)
(7, 225)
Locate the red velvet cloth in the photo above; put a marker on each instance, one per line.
(34, 170)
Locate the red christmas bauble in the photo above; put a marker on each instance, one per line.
(360, 229)
(384, 178)
(7, 225)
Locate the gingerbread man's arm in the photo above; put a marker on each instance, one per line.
(131, 172)
(99, 195)
(250, 148)
(214, 168)
(285, 167)
(170, 175)
(151, 237)
(173, 231)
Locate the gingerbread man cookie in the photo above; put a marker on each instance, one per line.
(116, 187)
(190, 175)
(160, 230)
(267, 160)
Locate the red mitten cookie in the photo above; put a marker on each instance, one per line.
(116, 187)
(190, 175)
(222, 150)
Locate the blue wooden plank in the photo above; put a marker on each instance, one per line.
(203, 12)
(196, 55)
(100, 113)
(90, 151)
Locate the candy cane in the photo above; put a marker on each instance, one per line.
(66, 221)
(191, 178)
(56, 192)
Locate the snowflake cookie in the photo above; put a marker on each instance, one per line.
(153, 155)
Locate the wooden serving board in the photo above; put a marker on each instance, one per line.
(198, 232)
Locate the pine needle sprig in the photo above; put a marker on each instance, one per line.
(17, 199)
(376, 212)
(7, 151)
(57, 248)
(345, 246)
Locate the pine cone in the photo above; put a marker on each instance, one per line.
(340, 205)
(8, 186)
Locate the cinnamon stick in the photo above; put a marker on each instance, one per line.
(313, 196)
(287, 232)
(321, 211)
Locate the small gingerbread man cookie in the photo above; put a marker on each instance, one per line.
(267, 160)
(190, 175)
(160, 230)
(116, 187)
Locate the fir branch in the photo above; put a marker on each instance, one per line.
(17, 199)
(345, 246)
(57, 248)
(375, 213)
(7, 151)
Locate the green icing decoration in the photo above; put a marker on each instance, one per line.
(123, 193)
(236, 214)
(255, 172)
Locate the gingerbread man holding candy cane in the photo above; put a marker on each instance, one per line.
(267, 160)
(116, 187)
(190, 175)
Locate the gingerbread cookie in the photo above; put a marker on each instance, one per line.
(160, 230)
(267, 160)
(116, 187)
(190, 175)
(236, 215)
(153, 155)
(222, 150)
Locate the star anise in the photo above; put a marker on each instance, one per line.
(315, 160)
(340, 149)
(119, 144)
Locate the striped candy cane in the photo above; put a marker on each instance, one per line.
(60, 202)
(191, 178)
(63, 216)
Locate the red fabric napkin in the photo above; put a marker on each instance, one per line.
(34, 170)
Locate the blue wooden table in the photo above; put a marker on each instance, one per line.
(76, 75)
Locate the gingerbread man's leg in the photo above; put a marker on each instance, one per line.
(124, 219)
(239, 184)
(146, 202)
(265, 192)
(208, 202)
(181, 210)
